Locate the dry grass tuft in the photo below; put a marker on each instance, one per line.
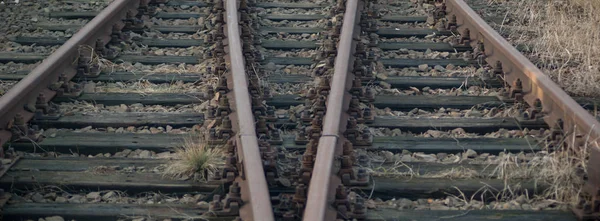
(563, 36)
(455, 173)
(398, 169)
(195, 159)
(561, 172)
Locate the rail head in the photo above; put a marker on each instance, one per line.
(536, 88)
(322, 186)
(255, 192)
(573, 127)
(60, 62)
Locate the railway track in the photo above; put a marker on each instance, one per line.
(335, 110)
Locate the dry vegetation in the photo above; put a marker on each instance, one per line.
(560, 173)
(196, 160)
(563, 37)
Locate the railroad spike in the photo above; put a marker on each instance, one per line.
(224, 131)
(440, 11)
(534, 112)
(342, 204)
(451, 24)
(22, 132)
(306, 168)
(373, 40)
(275, 137)
(348, 150)
(356, 89)
(223, 107)
(230, 146)
(301, 137)
(86, 66)
(351, 132)
(215, 205)
(311, 147)
(360, 211)
(354, 108)
(261, 126)
(479, 52)
(368, 116)
(243, 6)
(516, 91)
(319, 106)
(117, 36)
(324, 86)
(218, 6)
(346, 172)
(441, 25)
(44, 110)
(234, 196)
(368, 95)
(465, 37)
(299, 198)
(315, 127)
(142, 9)
(498, 68)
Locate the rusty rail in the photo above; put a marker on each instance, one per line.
(324, 181)
(527, 82)
(572, 126)
(60, 64)
(255, 192)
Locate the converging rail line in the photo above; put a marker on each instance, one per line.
(345, 110)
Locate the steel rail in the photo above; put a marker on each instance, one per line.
(556, 103)
(321, 190)
(60, 62)
(576, 127)
(255, 192)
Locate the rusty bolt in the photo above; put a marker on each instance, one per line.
(300, 194)
(352, 124)
(226, 123)
(212, 134)
(347, 148)
(216, 204)
(465, 37)
(235, 190)
(451, 25)
(360, 211)
(319, 105)
(311, 147)
(307, 161)
(243, 6)
(300, 136)
(210, 112)
(368, 94)
(223, 107)
(230, 146)
(362, 175)
(275, 135)
(498, 68)
(316, 122)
